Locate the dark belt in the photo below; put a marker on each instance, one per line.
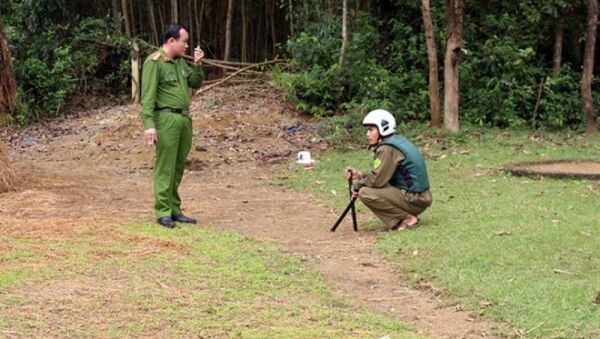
(172, 110)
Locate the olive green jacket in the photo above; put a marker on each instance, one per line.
(387, 159)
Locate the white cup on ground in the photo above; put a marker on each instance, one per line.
(304, 158)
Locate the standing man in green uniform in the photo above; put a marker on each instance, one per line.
(396, 189)
(166, 79)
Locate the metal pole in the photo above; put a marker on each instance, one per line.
(354, 222)
(350, 205)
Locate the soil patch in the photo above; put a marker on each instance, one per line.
(566, 168)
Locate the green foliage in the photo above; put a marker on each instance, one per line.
(45, 87)
(61, 58)
(502, 86)
(509, 48)
(560, 104)
(314, 90)
(508, 52)
(322, 87)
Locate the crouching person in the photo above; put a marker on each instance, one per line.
(396, 189)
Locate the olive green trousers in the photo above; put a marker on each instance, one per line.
(392, 204)
(172, 147)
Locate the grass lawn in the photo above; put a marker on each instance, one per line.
(523, 251)
(139, 280)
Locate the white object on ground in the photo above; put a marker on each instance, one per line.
(304, 158)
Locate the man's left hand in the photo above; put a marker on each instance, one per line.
(198, 55)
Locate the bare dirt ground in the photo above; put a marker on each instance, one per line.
(94, 169)
(574, 168)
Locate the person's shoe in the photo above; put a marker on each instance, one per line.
(184, 219)
(166, 222)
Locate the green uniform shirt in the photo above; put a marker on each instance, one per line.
(165, 84)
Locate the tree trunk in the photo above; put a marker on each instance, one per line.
(227, 52)
(174, 12)
(344, 31)
(8, 83)
(125, 10)
(116, 11)
(132, 23)
(273, 32)
(196, 21)
(153, 22)
(588, 67)
(244, 56)
(434, 92)
(455, 12)
(115, 8)
(558, 44)
(215, 31)
(291, 17)
(161, 21)
(187, 8)
(189, 21)
(8, 93)
(135, 73)
(200, 21)
(266, 32)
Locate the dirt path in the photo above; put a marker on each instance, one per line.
(95, 169)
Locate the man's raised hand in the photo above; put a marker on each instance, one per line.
(198, 55)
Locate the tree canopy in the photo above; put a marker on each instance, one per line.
(520, 66)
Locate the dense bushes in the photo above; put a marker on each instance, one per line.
(59, 58)
(322, 87)
(508, 53)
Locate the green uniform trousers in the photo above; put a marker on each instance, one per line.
(392, 204)
(172, 147)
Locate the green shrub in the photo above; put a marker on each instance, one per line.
(507, 55)
(60, 58)
(46, 88)
(560, 104)
(321, 87)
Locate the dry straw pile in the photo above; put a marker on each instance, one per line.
(7, 176)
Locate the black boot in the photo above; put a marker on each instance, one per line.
(166, 222)
(184, 219)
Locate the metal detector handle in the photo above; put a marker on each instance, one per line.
(350, 205)
(354, 222)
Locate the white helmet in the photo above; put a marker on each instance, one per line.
(384, 120)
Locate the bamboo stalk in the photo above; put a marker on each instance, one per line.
(202, 90)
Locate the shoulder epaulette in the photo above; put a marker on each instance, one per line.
(155, 56)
